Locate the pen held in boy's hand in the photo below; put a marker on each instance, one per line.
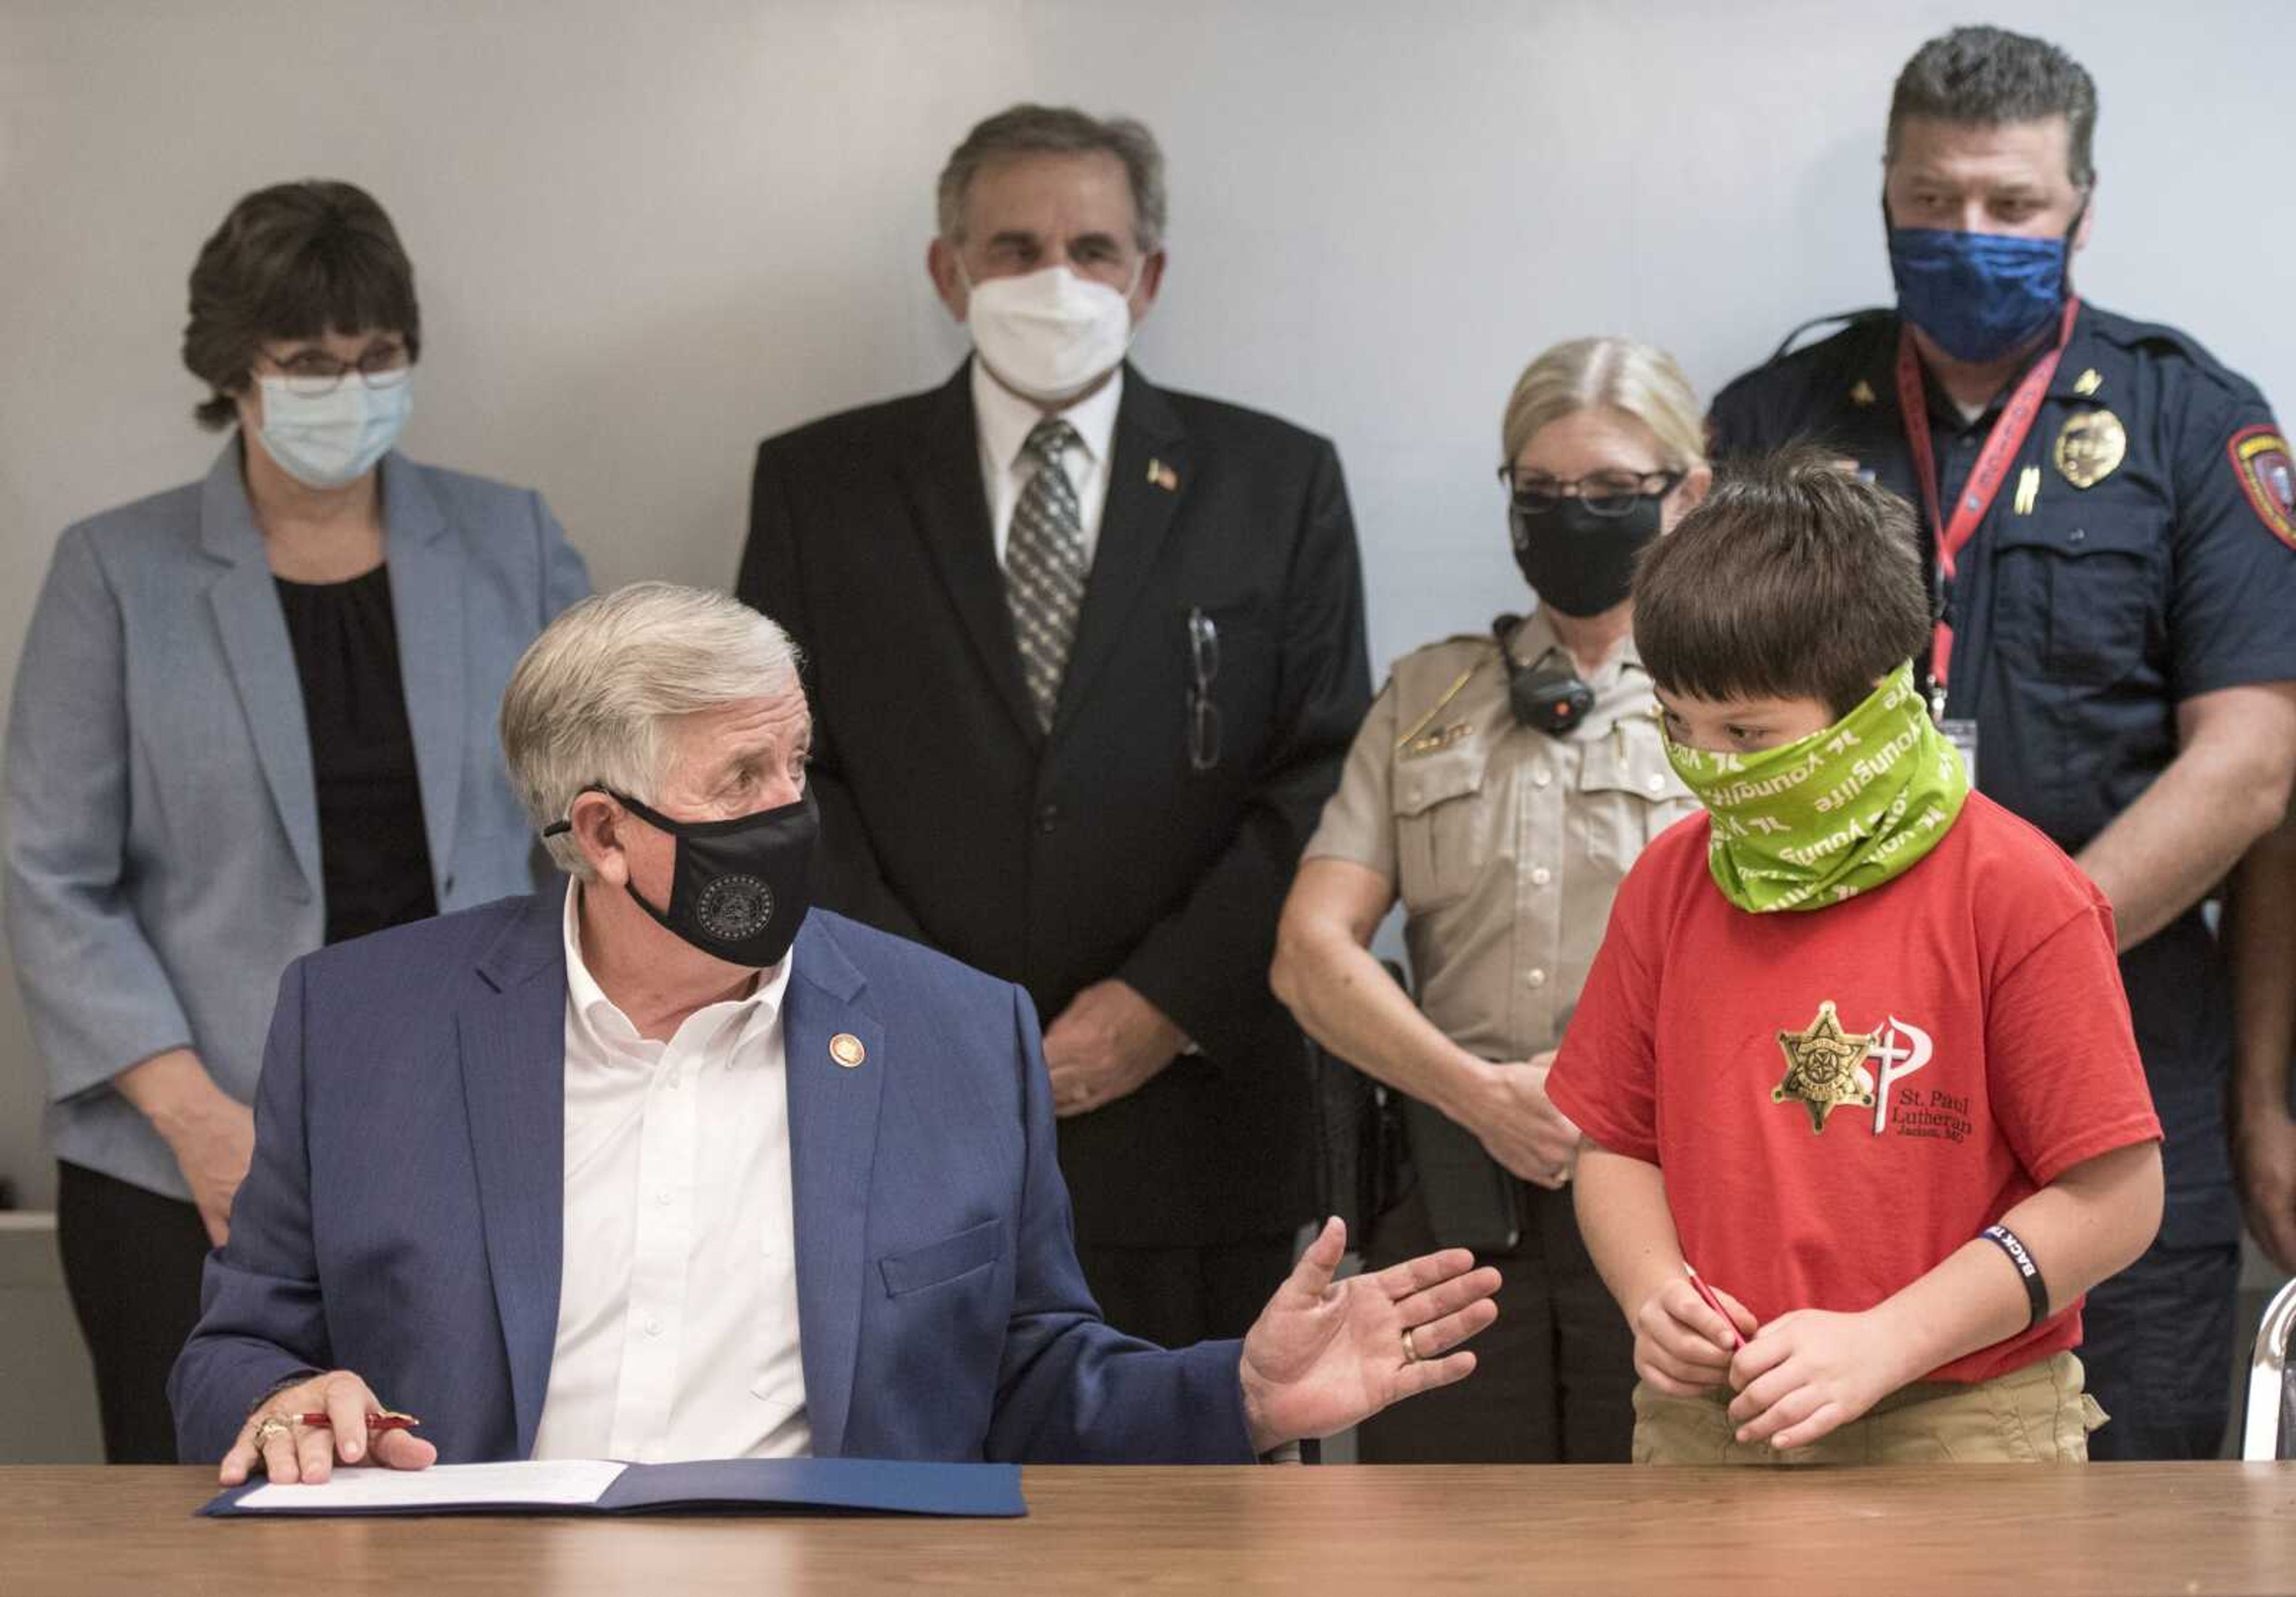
(1714, 1303)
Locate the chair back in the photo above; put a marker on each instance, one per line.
(2269, 1430)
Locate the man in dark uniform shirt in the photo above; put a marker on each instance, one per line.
(2113, 519)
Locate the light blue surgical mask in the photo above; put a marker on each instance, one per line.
(326, 440)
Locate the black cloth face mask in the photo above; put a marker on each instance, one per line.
(1577, 561)
(738, 889)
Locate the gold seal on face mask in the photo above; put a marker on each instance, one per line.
(2090, 447)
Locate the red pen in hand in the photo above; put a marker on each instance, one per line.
(389, 1420)
(1714, 1303)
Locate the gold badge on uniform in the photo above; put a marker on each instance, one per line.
(2090, 447)
(2088, 382)
(1862, 395)
(1825, 1067)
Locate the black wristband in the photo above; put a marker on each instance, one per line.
(2037, 1291)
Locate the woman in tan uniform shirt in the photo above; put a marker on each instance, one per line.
(1504, 809)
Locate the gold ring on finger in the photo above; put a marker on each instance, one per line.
(273, 1425)
(1410, 1348)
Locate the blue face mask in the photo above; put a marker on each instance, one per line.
(1980, 295)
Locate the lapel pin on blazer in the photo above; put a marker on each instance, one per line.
(845, 1049)
(1163, 476)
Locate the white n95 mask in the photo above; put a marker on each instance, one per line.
(1049, 335)
(326, 440)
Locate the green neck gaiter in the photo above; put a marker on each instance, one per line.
(1834, 816)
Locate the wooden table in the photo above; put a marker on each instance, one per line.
(1971, 1531)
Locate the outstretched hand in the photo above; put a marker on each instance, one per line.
(1324, 1353)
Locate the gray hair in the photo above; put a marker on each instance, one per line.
(591, 702)
(1059, 130)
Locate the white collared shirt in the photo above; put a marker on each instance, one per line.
(1005, 420)
(678, 1312)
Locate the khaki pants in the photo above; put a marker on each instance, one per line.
(2038, 1414)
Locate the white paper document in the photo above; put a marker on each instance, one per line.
(561, 1483)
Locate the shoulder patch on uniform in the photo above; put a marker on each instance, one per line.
(2260, 460)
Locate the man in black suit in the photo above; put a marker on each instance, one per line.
(1086, 658)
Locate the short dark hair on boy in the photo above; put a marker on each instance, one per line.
(1793, 580)
(1987, 77)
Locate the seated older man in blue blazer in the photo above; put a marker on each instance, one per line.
(659, 1166)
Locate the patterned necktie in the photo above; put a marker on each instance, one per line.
(1045, 568)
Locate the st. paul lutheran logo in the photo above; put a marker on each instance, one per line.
(1826, 1066)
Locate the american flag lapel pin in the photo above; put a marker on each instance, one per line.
(1163, 476)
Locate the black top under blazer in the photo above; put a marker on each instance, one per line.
(1097, 851)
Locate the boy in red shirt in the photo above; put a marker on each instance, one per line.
(1855, 1044)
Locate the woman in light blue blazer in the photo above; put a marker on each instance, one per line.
(254, 714)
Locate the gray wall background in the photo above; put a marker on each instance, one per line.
(650, 234)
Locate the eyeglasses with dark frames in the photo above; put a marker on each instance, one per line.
(1604, 493)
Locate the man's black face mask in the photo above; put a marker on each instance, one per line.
(739, 889)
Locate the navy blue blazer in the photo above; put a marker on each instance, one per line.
(404, 1215)
(163, 830)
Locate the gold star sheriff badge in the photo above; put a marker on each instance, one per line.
(1825, 1067)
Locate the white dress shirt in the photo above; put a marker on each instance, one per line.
(1004, 420)
(678, 1315)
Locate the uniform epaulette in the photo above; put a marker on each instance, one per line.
(2177, 350)
(2130, 334)
(1481, 639)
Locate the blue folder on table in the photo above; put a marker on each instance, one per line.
(835, 1485)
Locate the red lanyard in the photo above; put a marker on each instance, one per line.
(2002, 445)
